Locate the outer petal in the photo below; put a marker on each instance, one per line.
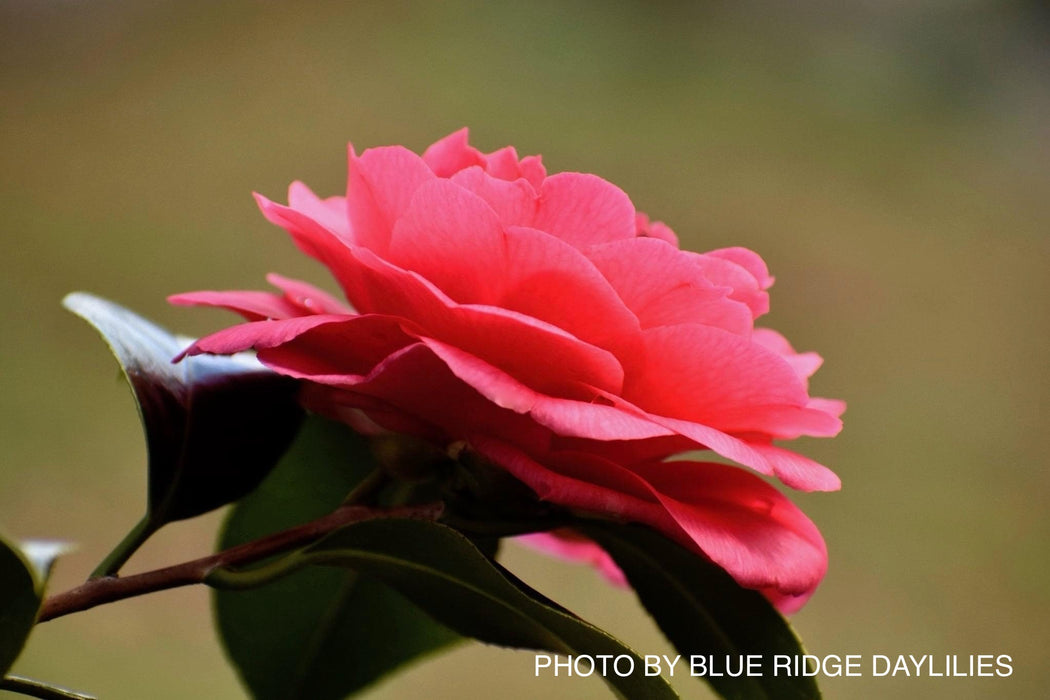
(258, 335)
(308, 297)
(623, 431)
(414, 387)
(741, 523)
(594, 419)
(253, 306)
(330, 213)
(299, 299)
(338, 353)
(794, 470)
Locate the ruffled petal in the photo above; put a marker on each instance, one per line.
(664, 286)
(743, 274)
(741, 523)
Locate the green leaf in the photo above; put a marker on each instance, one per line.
(21, 594)
(320, 633)
(214, 426)
(24, 570)
(442, 572)
(703, 611)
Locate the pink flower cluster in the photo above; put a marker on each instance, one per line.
(563, 336)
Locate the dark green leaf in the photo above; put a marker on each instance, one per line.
(703, 611)
(214, 425)
(443, 573)
(20, 598)
(320, 633)
(23, 573)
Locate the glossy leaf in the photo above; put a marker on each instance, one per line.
(442, 572)
(20, 598)
(320, 633)
(24, 570)
(214, 426)
(703, 611)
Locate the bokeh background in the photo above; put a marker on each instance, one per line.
(888, 159)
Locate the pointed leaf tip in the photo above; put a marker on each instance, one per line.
(214, 426)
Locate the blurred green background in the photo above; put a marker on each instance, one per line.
(888, 159)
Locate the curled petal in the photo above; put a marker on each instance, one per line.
(257, 335)
(741, 523)
(330, 213)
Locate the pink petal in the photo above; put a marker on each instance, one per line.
(834, 407)
(568, 545)
(566, 417)
(544, 273)
(381, 184)
(584, 210)
(453, 238)
(781, 421)
(258, 335)
(532, 169)
(452, 154)
(664, 286)
(503, 337)
(338, 353)
(253, 306)
(737, 520)
(307, 297)
(798, 472)
(805, 364)
(747, 259)
(654, 229)
(702, 374)
(793, 470)
(742, 280)
(513, 201)
(312, 238)
(330, 213)
(416, 383)
(503, 164)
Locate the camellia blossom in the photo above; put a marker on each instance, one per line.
(563, 336)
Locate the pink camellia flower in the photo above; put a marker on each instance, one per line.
(563, 336)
